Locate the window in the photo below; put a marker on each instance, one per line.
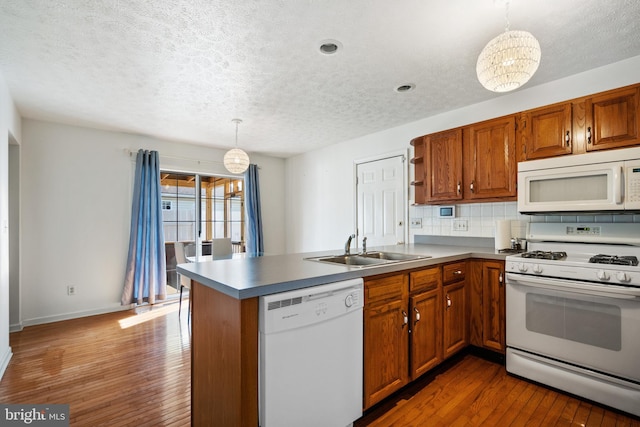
(221, 213)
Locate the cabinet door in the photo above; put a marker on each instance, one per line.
(426, 331)
(455, 318)
(612, 119)
(386, 336)
(547, 131)
(490, 159)
(493, 305)
(443, 166)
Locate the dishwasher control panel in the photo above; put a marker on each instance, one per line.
(306, 306)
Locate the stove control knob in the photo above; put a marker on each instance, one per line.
(537, 268)
(522, 267)
(602, 275)
(623, 277)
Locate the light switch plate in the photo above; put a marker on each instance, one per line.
(460, 225)
(416, 222)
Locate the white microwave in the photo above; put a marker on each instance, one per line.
(607, 181)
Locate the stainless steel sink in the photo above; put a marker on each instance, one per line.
(369, 259)
(393, 256)
(354, 260)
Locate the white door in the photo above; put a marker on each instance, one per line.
(380, 189)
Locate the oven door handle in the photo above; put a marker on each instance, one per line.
(608, 291)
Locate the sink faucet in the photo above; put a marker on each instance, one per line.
(364, 245)
(347, 246)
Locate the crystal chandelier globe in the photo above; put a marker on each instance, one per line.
(236, 160)
(509, 60)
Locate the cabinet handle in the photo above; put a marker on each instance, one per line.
(448, 301)
(500, 279)
(471, 187)
(417, 314)
(459, 187)
(405, 317)
(589, 135)
(457, 272)
(567, 138)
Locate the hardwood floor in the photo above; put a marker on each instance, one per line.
(472, 391)
(117, 369)
(133, 369)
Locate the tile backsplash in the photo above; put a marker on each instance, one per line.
(481, 218)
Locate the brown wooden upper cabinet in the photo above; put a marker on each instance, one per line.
(477, 162)
(612, 119)
(443, 166)
(490, 164)
(546, 132)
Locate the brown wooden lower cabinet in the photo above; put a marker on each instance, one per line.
(413, 321)
(386, 337)
(455, 318)
(426, 331)
(411, 324)
(487, 305)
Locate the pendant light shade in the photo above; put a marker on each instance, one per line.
(509, 60)
(236, 160)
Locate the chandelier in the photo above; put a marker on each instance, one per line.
(509, 60)
(236, 160)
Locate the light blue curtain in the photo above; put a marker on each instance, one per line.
(255, 244)
(146, 278)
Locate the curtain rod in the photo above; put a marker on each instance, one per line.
(133, 153)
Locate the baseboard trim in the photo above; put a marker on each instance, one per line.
(67, 316)
(4, 362)
(16, 327)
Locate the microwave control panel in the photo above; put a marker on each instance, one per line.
(632, 184)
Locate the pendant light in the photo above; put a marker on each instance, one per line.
(509, 60)
(236, 160)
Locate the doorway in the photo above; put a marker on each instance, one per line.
(382, 199)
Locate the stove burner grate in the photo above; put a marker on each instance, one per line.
(614, 259)
(545, 255)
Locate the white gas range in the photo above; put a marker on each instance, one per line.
(573, 311)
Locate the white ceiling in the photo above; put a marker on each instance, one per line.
(182, 69)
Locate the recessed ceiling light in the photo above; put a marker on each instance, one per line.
(330, 47)
(405, 88)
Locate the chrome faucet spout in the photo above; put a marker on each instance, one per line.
(347, 246)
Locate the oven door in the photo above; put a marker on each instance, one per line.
(586, 324)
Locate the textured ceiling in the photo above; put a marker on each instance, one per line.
(182, 69)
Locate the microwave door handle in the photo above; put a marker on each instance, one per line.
(617, 185)
(608, 291)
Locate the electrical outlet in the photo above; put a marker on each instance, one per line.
(460, 225)
(71, 290)
(416, 222)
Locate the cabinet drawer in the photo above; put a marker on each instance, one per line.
(425, 280)
(385, 288)
(454, 272)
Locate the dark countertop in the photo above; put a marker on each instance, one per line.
(249, 277)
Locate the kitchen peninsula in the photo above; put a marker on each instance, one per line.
(224, 374)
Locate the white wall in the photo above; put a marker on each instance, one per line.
(320, 190)
(75, 212)
(10, 129)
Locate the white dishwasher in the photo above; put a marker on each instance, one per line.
(311, 356)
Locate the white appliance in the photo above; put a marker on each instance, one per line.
(311, 356)
(573, 311)
(594, 182)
